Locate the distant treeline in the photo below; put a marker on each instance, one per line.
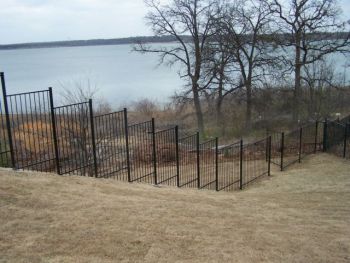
(146, 39)
(92, 42)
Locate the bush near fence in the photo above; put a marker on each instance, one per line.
(37, 135)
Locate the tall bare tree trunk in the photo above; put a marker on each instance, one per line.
(198, 109)
(219, 117)
(297, 81)
(248, 117)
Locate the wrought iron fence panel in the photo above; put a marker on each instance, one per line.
(31, 130)
(167, 156)
(208, 165)
(229, 167)
(189, 161)
(75, 139)
(111, 145)
(254, 163)
(335, 138)
(291, 148)
(141, 152)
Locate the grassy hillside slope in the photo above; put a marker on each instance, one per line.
(301, 215)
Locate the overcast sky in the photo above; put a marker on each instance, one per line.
(51, 20)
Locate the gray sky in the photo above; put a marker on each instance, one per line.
(51, 20)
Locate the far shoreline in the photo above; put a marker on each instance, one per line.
(88, 43)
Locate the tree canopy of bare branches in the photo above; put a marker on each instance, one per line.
(313, 30)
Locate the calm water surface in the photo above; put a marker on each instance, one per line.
(120, 75)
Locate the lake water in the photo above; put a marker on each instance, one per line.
(120, 75)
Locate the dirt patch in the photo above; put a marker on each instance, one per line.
(300, 215)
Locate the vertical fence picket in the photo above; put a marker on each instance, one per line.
(154, 153)
(54, 131)
(300, 143)
(325, 135)
(93, 139)
(282, 150)
(177, 156)
(345, 139)
(216, 164)
(241, 165)
(127, 144)
(198, 164)
(316, 137)
(269, 154)
(7, 117)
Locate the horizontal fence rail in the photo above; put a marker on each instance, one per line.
(72, 139)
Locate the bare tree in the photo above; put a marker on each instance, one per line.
(177, 19)
(313, 29)
(76, 124)
(244, 26)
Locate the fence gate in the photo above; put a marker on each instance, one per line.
(229, 167)
(75, 139)
(30, 120)
(141, 139)
(167, 156)
(5, 153)
(189, 161)
(276, 147)
(254, 162)
(208, 165)
(336, 138)
(111, 148)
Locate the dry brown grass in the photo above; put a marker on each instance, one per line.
(301, 215)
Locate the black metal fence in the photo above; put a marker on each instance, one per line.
(111, 149)
(69, 139)
(189, 170)
(291, 147)
(167, 156)
(337, 138)
(254, 162)
(141, 144)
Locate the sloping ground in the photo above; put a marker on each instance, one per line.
(301, 215)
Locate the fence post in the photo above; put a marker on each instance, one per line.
(241, 165)
(8, 123)
(269, 154)
(177, 156)
(267, 147)
(126, 128)
(216, 164)
(300, 143)
(154, 152)
(93, 137)
(282, 149)
(345, 139)
(316, 137)
(54, 131)
(198, 164)
(325, 135)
